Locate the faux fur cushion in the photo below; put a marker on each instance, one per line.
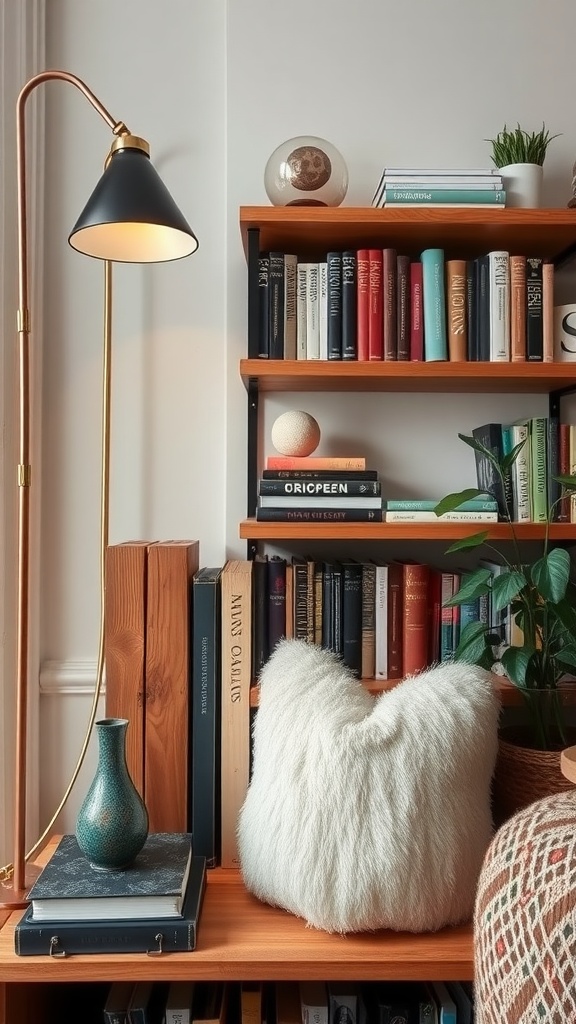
(368, 813)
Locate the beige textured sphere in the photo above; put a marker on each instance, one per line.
(295, 433)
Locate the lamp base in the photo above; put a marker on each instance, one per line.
(15, 899)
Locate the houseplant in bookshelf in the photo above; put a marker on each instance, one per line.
(519, 155)
(538, 657)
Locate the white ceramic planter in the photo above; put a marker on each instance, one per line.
(523, 184)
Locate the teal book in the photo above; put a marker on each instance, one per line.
(435, 337)
(425, 196)
(69, 889)
(486, 504)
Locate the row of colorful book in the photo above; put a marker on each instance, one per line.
(405, 186)
(288, 1002)
(153, 905)
(376, 304)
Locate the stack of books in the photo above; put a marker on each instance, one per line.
(318, 489)
(443, 186)
(152, 906)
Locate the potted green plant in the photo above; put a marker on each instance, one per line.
(519, 155)
(541, 597)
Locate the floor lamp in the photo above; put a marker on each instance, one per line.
(129, 218)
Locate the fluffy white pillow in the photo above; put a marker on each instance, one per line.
(368, 813)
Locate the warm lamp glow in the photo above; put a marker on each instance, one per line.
(133, 243)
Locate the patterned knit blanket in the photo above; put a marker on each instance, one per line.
(525, 918)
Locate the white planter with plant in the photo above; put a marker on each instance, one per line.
(519, 155)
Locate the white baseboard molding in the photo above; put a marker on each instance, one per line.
(59, 678)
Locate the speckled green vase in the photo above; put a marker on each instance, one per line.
(112, 825)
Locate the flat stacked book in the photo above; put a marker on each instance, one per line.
(318, 489)
(421, 510)
(153, 904)
(442, 186)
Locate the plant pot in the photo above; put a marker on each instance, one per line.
(523, 775)
(523, 184)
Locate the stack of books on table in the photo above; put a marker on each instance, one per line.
(152, 906)
(318, 490)
(421, 510)
(466, 187)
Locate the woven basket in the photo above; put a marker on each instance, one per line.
(523, 775)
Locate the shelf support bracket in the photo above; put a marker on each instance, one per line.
(252, 455)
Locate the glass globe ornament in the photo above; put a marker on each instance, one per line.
(306, 171)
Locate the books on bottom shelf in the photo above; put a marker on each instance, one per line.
(154, 933)
(175, 1002)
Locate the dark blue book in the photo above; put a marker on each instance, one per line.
(147, 935)
(276, 300)
(352, 614)
(263, 305)
(153, 886)
(206, 704)
(349, 306)
(334, 304)
(534, 310)
(276, 593)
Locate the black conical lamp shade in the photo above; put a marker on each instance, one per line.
(131, 216)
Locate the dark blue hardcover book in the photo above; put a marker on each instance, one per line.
(352, 614)
(260, 643)
(534, 310)
(158, 935)
(206, 704)
(276, 600)
(349, 306)
(153, 886)
(334, 304)
(276, 299)
(483, 310)
(490, 436)
(263, 305)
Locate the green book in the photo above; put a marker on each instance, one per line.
(538, 469)
(486, 504)
(495, 197)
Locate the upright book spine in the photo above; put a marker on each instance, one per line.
(334, 330)
(389, 307)
(435, 340)
(403, 308)
(312, 312)
(376, 305)
(456, 305)
(276, 305)
(290, 307)
(518, 309)
(499, 276)
(363, 303)
(416, 312)
(206, 695)
(263, 305)
(349, 305)
(534, 336)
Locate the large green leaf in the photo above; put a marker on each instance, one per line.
(511, 457)
(454, 500)
(473, 585)
(473, 541)
(567, 480)
(505, 587)
(515, 662)
(551, 573)
(472, 643)
(481, 449)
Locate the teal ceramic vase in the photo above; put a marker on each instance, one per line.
(112, 825)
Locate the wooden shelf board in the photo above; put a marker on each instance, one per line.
(509, 694)
(440, 378)
(312, 231)
(241, 938)
(250, 529)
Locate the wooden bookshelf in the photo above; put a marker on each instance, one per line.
(411, 377)
(250, 529)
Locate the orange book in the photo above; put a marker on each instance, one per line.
(171, 566)
(315, 462)
(125, 646)
(518, 309)
(415, 618)
(456, 310)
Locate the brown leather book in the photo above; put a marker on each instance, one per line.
(456, 308)
(415, 620)
(518, 309)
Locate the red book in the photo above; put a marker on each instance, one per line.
(417, 314)
(363, 304)
(415, 620)
(375, 322)
(562, 511)
(403, 308)
(389, 291)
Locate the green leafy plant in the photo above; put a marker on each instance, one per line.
(520, 147)
(542, 601)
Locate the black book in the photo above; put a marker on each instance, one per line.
(334, 304)
(276, 600)
(166, 935)
(276, 301)
(483, 310)
(349, 303)
(263, 315)
(260, 644)
(330, 486)
(206, 713)
(300, 597)
(319, 515)
(352, 614)
(328, 606)
(534, 313)
(403, 308)
(488, 480)
(338, 586)
(117, 1001)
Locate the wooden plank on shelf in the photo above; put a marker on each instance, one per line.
(171, 566)
(251, 529)
(125, 646)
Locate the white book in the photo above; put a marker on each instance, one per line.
(290, 323)
(301, 311)
(499, 292)
(312, 312)
(335, 501)
(407, 516)
(381, 622)
(179, 1003)
(323, 285)
(491, 181)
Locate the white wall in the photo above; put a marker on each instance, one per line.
(388, 83)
